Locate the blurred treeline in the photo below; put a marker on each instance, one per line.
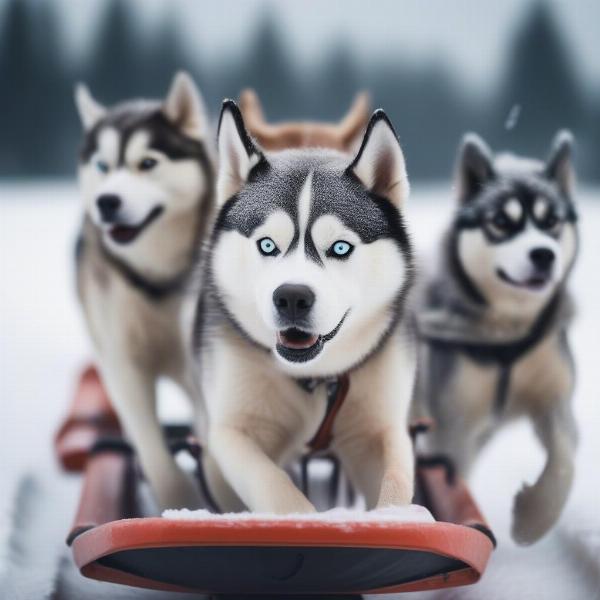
(538, 87)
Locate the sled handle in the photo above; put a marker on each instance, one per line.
(91, 416)
(108, 489)
(448, 498)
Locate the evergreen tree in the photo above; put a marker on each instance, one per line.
(58, 121)
(163, 56)
(541, 80)
(18, 100)
(115, 66)
(267, 67)
(336, 83)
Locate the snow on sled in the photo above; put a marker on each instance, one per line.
(443, 542)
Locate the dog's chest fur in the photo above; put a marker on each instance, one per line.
(127, 322)
(274, 402)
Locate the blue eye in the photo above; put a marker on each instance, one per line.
(147, 163)
(267, 247)
(102, 166)
(340, 249)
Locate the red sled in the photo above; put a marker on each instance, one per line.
(112, 540)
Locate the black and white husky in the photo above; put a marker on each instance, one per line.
(494, 319)
(308, 268)
(147, 181)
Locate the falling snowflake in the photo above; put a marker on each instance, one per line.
(513, 117)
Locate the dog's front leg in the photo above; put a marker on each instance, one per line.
(258, 481)
(132, 391)
(397, 482)
(538, 507)
(381, 466)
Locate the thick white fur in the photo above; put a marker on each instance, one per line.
(481, 259)
(137, 339)
(258, 417)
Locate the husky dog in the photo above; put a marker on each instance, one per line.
(147, 181)
(308, 270)
(343, 136)
(494, 320)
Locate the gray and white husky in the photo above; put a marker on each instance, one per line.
(494, 320)
(147, 181)
(308, 269)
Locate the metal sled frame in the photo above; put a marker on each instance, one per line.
(112, 541)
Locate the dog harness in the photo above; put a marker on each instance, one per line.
(337, 391)
(505, 355)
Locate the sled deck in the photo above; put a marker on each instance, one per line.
(112, 539)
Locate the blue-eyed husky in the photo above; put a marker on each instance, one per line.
(307, 273)
(493, 320)
(147, 183)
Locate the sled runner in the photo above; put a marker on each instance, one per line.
(112, 539)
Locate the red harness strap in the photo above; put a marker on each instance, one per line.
(322, 439)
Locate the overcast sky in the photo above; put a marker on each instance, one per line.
(468, 34)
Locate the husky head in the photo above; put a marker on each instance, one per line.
(515, 236)
(309, 257)
(144, 166)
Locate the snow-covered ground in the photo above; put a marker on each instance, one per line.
(42, 346)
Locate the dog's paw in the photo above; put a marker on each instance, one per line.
(291, 504)
(395, 491)
(532, 517)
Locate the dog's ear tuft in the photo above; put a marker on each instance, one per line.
(559, 166)
(184, 107)
(475, 167)
(90, 111)
(379, 164)
(237, 152)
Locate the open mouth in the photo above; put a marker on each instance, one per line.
(297, 345)
(536, 282)
(125, 234)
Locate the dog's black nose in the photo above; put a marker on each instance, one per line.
(108, 205)
(542, 258)
(293, 301)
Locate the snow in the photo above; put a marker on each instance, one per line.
(43, 345)
(339, 516)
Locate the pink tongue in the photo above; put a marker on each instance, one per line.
(294, 342)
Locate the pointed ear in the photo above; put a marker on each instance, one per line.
(184, 107)
(379, 164)
(475, 167)
(355, 121)
(237, 152)
(559, 166)
(90, 111)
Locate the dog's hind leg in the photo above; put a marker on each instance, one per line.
(538, 507)
(132, 391)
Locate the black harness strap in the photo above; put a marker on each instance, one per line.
(152, 289)
(502, 387)
(504, 355)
